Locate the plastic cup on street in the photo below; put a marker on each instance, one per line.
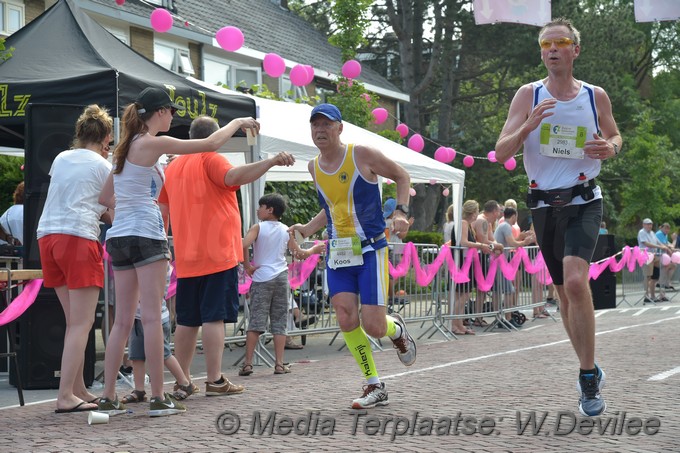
(97, 418)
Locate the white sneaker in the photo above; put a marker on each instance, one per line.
(374, 395)
(405, 345)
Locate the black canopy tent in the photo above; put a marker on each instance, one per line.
(66, 57)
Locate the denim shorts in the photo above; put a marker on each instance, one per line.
(129, 252)
(136, 341)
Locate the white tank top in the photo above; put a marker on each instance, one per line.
(269, 250)
(137, 212)
(558, 172)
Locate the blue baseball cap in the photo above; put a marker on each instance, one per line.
(389, 207)
(328, 110)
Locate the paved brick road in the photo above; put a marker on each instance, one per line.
(492, 380)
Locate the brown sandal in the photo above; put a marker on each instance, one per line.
(183, 392)
(281, 368)
(245, 370)
(136, 396)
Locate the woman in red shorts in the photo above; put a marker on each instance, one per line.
(70, 252)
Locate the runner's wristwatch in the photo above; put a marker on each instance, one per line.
(403, 208)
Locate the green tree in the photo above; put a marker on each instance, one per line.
(10, 175)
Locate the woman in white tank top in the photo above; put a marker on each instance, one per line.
(137, 240)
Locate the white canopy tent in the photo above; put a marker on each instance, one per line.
(285, 127)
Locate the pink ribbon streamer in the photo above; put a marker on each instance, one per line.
(630, 258)
(21, 303)
(299, 271)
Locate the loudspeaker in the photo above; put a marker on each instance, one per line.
(604, 247)
(604, 290)
(33, 208)
(50, 129)
(40, 341)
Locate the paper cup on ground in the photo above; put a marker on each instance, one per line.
(97, 418)
(252, 138)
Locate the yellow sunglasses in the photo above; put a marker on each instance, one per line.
(560, 43)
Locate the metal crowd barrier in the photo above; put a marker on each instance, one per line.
(434, 306)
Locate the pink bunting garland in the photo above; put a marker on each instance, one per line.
(299, 271)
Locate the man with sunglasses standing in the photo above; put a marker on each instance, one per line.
(567, 129)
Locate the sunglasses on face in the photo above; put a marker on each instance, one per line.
(560, 43)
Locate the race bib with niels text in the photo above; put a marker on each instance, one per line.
(559, 140)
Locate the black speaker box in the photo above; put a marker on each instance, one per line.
(33, 208)
(50, 129)
(40, 341)
(604, 247)
(604, 290)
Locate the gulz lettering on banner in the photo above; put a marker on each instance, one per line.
(17, 107)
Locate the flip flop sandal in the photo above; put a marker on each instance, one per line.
(136, 396)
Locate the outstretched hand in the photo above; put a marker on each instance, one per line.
(250, 123)
(284, 159)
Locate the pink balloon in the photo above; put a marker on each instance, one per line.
(433, 182)
(161, 20)
(510, 164)
(650, 257)
(298, 75)
(492, 156)
(412, 192)
(379, 115)
(274, 65)
(468, 161)
(310, 74)
(22, 167)
(441, 154)
(229, 38)
(446, 192)
(402, 129)
(388, 181)
(351, 69)
(675, 257)
(451, 154)
(416, 143)
(120, 2)
(665, 259)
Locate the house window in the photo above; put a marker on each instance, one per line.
(216, 72)
(174, 59)
(164, 55)
(289, 91)
(246, 77)
(11, 17)
(230, 74)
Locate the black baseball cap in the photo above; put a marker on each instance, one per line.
(153, 99)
